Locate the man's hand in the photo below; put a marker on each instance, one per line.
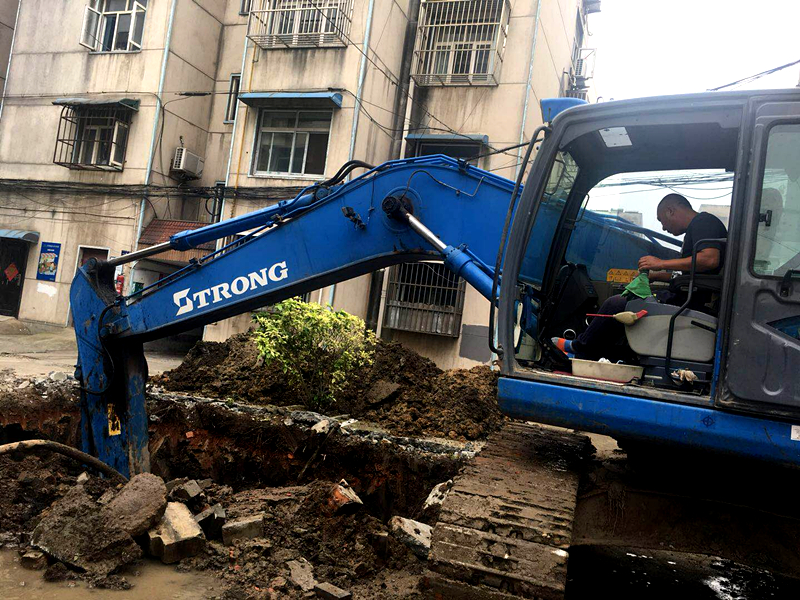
(651, 263)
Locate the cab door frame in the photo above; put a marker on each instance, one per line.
(751, 350)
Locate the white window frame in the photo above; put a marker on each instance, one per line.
(254, 172)
(96, 11)
(245, 7)
(119, 126)
(232, 107)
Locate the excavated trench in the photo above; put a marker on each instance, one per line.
(245, 446)
(255, 454)
(257, 457)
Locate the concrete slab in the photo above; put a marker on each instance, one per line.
(177, 536)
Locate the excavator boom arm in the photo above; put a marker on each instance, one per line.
(433, 208)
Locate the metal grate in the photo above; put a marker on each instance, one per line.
(92, 138)
(461, 42)
(300, 23)
(425, 298)
(575, 93)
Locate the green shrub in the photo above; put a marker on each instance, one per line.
(317, 348)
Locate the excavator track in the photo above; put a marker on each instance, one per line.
(506, 525)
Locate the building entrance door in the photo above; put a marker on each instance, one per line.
(13, 256)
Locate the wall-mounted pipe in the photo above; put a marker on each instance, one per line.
(528, 86)
(10, 55)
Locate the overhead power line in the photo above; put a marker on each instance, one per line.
(754, 77)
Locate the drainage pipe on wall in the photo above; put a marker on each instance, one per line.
(154, 137)
(362, 76)
(528, 87)
(401, 101)
(10, 55)
(234, 132)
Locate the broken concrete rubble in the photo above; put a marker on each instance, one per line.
(343, 499)
(244, 528)
(177, 535)
(173, 483)
(416, 535)
(433, 504)
(301, 573)
(186, 491)
(211, 521)
(76, 532)
(323, 426)
(139, 505)
(33, 560)
(331, 592)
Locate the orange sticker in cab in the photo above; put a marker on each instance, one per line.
(621, 275)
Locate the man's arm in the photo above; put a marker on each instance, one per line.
(659, 276)
(707, 260)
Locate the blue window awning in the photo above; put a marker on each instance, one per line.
(129, 103)
(292, 99)
(448, 137)
(31, 237)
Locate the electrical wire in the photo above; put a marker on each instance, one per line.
(752, 78)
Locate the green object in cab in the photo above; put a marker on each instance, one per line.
(640, 287)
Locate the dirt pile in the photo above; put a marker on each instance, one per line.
(402, 391)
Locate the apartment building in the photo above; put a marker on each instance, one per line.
(125, 121)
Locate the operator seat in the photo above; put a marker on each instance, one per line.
(693, 340)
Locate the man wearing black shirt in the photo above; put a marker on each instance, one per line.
(678, 217)
(602, 339)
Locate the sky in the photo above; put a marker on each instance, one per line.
(652, 48)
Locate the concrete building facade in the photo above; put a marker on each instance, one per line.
(127, 120)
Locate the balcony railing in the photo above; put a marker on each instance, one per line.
(461, 42)
(300, 23)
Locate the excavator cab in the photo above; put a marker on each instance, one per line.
(591, 200)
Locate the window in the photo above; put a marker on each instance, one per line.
(778, 241)
(300, 23)
(93, 137)
(464, 150)
(292, 142)
(113, 25)
(461, 42)
(233, 98)
(426, 298)
(244, 7)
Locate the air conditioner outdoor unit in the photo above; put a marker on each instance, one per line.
(187, 164)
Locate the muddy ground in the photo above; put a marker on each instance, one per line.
(262, 459)
(267, 456)
(404, 392)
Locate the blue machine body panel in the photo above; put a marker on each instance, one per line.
(644, 419)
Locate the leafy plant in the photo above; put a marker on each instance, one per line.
(317, 348)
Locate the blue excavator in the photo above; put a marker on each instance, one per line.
(718, 382)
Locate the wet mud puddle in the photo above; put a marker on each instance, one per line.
(150, 580)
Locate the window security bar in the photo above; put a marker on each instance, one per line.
(424, 298)
(300, 23)
(461, 42)
(92, 138)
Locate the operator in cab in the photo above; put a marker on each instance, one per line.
(604, 337)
